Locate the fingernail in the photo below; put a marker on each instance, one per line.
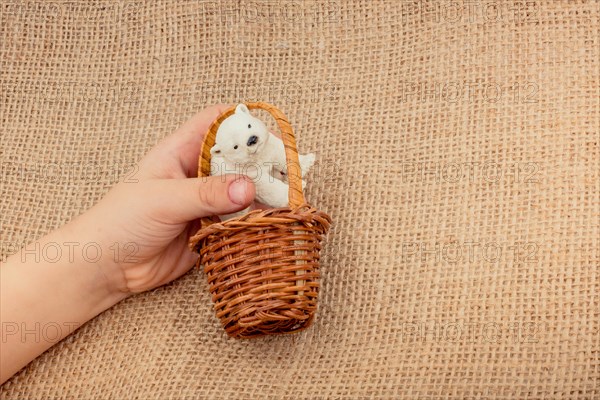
(238, 190)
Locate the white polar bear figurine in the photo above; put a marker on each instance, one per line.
(244, 145)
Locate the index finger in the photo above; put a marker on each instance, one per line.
(176, 155)
(187, 139)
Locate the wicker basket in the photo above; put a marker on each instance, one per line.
(263, 267)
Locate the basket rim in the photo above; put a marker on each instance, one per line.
(304, 214)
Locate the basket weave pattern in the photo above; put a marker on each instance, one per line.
(263, 267)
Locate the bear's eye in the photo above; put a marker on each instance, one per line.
(235, 147)
(282, 173)
(249, 126)
(218, 151)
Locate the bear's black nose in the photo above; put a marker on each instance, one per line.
(252, 140)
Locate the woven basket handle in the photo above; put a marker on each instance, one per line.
(295, 195)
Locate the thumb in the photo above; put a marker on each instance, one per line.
(184, 200)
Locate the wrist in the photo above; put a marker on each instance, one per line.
(91, 260)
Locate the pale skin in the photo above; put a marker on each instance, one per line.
(142, 229)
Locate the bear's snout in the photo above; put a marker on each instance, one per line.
(252, 140)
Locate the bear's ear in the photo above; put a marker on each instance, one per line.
(242, 108)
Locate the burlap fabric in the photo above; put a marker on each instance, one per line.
(459, 157)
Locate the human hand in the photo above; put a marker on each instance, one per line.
(140, 231)
(143, 227)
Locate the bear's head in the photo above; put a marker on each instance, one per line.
(240, 136)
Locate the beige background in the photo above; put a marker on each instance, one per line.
(459, 156)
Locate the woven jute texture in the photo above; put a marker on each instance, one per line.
(458, 156)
